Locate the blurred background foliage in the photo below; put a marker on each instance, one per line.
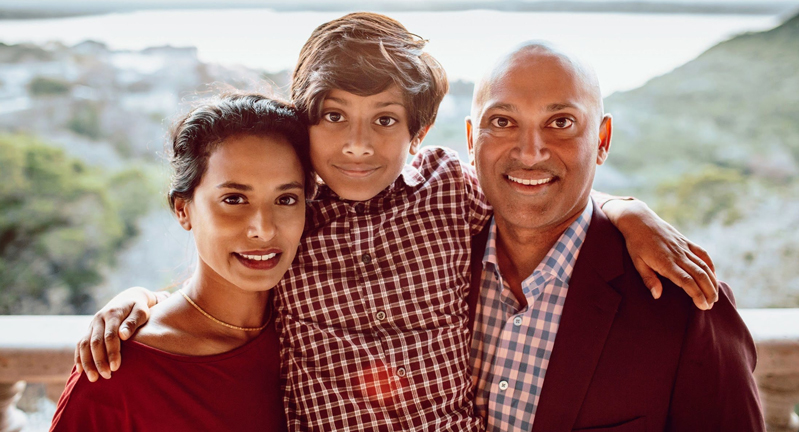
(62, 221)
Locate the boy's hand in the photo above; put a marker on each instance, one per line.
(656, 247)
(97, 352)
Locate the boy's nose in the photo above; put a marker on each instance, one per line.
(359, 141)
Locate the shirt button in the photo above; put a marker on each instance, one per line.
(380, 315)
(366, 258)
(401, 372)
(503, 385)
(359, 208)
(517, 321)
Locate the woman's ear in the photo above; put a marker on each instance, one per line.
(182, 213)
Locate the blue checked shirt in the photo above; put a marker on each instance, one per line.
(511, 345)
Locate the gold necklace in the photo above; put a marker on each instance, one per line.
(222, 322)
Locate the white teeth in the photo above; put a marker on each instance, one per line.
(259, 257)
(530, 182)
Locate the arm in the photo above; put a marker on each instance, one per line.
(98, 351)
(656, 247)
(715, 389)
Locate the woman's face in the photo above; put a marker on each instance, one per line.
(248, 212)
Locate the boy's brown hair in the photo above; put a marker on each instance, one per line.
(364, 54)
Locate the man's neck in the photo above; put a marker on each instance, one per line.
(520, 250)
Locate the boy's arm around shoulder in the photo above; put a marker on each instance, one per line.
(715, 389)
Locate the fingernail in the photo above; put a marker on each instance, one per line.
(654, 293)
(114, 365)
(92, 376)
(106, 374)
(124, 333)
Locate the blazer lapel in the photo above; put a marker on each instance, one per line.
(588, 315)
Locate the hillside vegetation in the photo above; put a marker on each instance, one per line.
(714, 147)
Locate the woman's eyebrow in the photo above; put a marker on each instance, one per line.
(234, 185)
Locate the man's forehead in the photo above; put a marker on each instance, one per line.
(537, 75)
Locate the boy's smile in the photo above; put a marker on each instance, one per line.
(360, 145)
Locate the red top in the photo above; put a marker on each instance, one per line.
(156, 391)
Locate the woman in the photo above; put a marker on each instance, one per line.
(208, 358)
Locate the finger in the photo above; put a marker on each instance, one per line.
(649, 277)
(705, 277)
(703, 255)
(86, 361)
(684, 280)
(97, 343)
(112, 347)
(138, 316)
(78, 366)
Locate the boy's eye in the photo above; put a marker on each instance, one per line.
(287, 200)
(333, 117)
(385, 121)
(561, 123)
(501, 122)
(234, 199)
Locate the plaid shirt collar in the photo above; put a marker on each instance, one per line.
(409, 177)
(559, 261)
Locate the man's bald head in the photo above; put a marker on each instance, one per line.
(530, 53)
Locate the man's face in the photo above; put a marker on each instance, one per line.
(360, 145)
(536, 137)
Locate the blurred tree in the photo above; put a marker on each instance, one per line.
(61, 223)
(44, 86)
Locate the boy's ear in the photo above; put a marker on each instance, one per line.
(417, 140)
(605, 132)
(469, 142)
(182, 213)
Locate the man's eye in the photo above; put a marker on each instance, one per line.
(333, 117)
(287, 200)
(385, 121)
(234, 200)
(561, 123)
(500, 122)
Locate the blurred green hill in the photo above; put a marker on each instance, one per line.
(734, 107)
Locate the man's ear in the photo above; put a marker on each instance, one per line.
(182, 213)
(605, 131)
(417, 140)
(469, 142)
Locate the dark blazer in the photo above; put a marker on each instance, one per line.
(623, 361)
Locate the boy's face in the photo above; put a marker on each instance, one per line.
(359, 146)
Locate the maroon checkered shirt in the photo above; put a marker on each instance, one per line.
(373, 312)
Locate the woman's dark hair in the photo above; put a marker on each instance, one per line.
(365, 53)
(197, 134)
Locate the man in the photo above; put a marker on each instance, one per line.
(566, 337)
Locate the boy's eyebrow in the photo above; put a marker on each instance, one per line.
(376, 105)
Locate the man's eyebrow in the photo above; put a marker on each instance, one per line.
(234, 185)
(560, 106)
(503, 106)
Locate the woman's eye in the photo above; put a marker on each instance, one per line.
(234, 199)
(385, 121)
(561, 123)
(333, 117)
(287, 200)
(500, 122)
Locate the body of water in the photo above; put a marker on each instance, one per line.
(626, 49)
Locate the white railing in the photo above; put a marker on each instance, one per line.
(40, 349)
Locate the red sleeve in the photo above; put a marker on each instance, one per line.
(715, 389)
(87, 407)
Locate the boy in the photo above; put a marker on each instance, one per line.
(373, 312)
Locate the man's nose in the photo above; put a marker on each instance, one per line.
(359, 141)
(532, 147)
(262, 225)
